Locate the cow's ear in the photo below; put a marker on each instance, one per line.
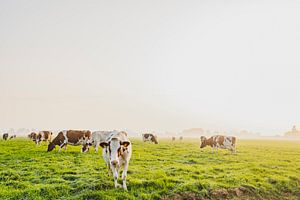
(104, 144)
(125, 143)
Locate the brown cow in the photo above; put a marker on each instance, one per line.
(73, 137)
(173, 138)
(43, 136)
(219, 141)
(33, 136)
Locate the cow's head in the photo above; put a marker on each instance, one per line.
(51, 146)
(87, 141)
(203, 142)
(154, 139)
(115, 149)
(86, 146)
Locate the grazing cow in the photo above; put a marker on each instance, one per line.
(12, 137)
(97, 138)
(73, 137)
(30, 136)
(150, 137)
(173, 138)
(116, 153)
(33, 136)
(219, 141)
(181, 138)
(43, 136)
(5, 136)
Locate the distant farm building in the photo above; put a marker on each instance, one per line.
(293, 132)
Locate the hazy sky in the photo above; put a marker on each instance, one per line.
(150, 65)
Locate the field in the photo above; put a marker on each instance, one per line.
(170, 170)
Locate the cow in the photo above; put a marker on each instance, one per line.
(43, 136)
(97, 138)
(12, 137)
(33, 136)
(30, 136)
(73, 137)
(150, 137)
(116, 153)
(181, 138)
(173, 138)
(219, 141)
(5, 136)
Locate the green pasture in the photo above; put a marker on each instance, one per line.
(169, 170)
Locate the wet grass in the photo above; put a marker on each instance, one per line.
(169, 170)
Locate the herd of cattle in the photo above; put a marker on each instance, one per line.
(117, 148)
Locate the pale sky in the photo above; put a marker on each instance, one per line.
(150, 65)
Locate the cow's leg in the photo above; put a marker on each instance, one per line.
(109, 170)
(124, 175)
(65, 147)
(115, 174)
(96, 147)
(61, 146)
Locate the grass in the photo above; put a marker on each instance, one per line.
(169, 170)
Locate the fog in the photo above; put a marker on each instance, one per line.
(150, 65)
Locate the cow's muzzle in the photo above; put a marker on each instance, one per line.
(114, 162)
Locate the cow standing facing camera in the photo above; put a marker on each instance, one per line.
(116, 153)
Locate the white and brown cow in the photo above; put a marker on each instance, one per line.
(97, 138)
(116, 153)
(219, 141)
(33, 136)
(73, 137)
(150, 137)
(43, 136)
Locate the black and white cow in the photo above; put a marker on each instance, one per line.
(5, 136)
(150, 137)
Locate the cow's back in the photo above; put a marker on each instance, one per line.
(46, 135)
(77, 136)
(100, 136)
(226, 142)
